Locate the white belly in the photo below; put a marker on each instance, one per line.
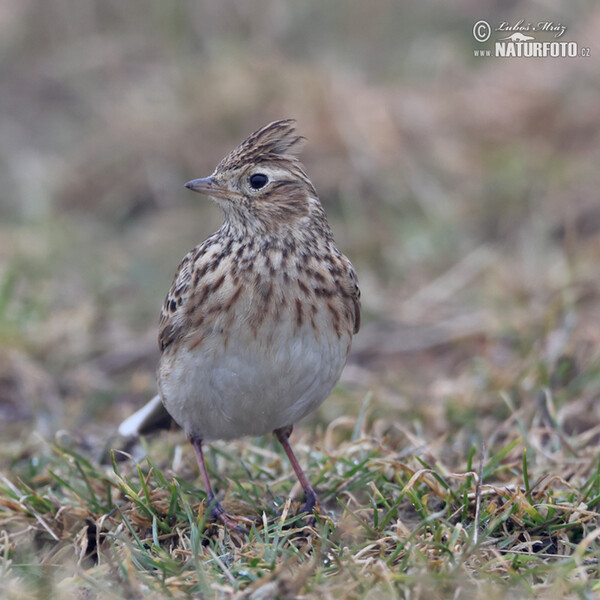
(251, 385)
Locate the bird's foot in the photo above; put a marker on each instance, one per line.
(310, 503)
(232, 523)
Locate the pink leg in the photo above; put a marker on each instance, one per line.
(217, 512)
(283, 435)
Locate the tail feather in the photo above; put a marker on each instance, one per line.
(153, 416)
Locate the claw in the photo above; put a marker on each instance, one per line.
(310, 503)
(219, 515)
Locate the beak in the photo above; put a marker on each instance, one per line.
(205, 185)
(210, 187)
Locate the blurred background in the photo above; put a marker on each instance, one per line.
(464, 190)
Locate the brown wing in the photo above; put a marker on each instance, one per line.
(194, 282)
(342, 281)
(172, 325)
(351, 288)
(345, 282)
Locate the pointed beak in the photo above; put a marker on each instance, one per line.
(205, 185)
(211, 187)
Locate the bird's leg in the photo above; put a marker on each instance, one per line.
(310, 498)
(217, 512)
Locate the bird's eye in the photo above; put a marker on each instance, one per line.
(258, 180)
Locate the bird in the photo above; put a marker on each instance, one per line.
(258, 323)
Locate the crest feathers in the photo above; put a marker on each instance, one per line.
(277, 139)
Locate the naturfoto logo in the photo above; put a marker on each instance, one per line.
(522, 43)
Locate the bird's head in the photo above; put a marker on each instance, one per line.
(261, 185)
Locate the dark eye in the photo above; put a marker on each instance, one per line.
(258, 180)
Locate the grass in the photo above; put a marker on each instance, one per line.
(391, 523)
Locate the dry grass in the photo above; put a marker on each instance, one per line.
(459, 455)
